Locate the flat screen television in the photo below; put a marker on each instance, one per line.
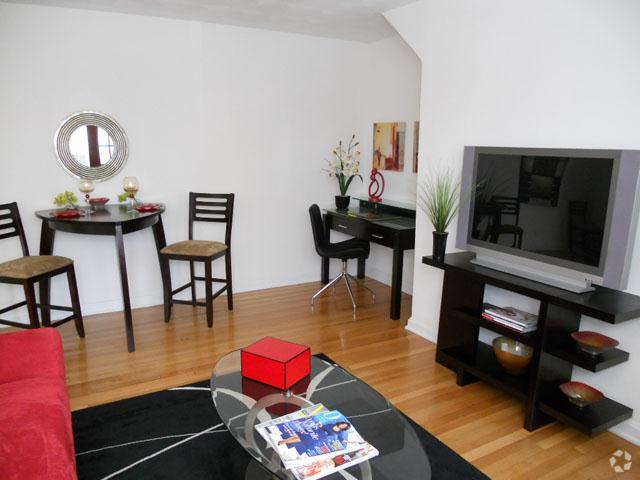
(565, 217)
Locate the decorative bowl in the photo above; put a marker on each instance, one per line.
(594, 343)
(98, 201)
(581, 394)
(513, 356)
(147, 207)
(67, 213)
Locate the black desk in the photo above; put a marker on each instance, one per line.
(115, 220)
(389, 223)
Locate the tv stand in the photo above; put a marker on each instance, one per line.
(565, 283)
(555, 353)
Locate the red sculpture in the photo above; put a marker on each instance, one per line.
(376, 195)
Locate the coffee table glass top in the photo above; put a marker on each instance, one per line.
(243, 403)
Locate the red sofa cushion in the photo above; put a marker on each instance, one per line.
(36, 440)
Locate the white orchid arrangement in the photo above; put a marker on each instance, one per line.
(345, 165)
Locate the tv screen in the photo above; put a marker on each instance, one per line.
(550, 206)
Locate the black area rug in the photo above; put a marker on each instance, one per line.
(152, 437)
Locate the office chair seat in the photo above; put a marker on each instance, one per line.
(352, 248)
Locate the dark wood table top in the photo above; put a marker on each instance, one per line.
(111, 214)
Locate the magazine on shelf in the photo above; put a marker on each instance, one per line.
(513, 326)
(297, 458)
(511, 314)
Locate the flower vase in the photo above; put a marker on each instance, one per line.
(342, 202)
(439, 246)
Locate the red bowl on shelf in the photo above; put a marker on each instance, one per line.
(594, 343)
(147, 207)
(581, 394)
(98, 201)
(67, 213)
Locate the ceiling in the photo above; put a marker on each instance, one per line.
(359, 20)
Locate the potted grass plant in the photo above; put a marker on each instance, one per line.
(439, 197)
(345, 166)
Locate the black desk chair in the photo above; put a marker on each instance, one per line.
(203, 207)
(352, 248)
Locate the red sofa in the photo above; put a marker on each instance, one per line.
(36, 440)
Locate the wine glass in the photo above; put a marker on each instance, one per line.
(131, 186)
(86, 186)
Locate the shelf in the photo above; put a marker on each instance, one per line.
(568, 351)
(605, 304)
(592, 419)
(475, 317)
(485, 366)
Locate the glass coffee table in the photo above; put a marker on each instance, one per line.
(242, 404)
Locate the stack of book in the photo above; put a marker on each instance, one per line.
(315, 442)
(510, 317)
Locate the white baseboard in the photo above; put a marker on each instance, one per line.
(421, 330)
(629, 430)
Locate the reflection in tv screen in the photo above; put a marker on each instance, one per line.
(552, 206)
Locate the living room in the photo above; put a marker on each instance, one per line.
(251, 98)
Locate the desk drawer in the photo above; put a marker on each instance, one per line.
(350, 226)
(379, 235)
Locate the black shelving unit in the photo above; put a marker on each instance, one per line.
(555, 352)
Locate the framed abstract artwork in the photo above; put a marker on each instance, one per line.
(388, 146)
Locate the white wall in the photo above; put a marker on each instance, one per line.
(206, 108)
(531, 73)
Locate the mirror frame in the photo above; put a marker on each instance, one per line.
(75, 168)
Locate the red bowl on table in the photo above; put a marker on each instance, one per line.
(68, 213)
(594, 343)
(147, 207)
(581, 394)
(98, 201)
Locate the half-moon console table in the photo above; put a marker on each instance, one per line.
(554, 355)
(116, 220)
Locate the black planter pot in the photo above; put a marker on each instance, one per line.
(342, 202)
(439, 246)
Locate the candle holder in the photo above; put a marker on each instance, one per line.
(86, 186)
(131, 187)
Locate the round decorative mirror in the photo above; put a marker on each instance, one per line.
(91, 145)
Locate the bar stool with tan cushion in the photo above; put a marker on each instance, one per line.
(29, 270)
(203, 207)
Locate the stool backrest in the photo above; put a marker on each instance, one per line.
(317, 226)
(11, 225)
(211, 207)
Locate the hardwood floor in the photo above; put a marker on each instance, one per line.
(479, 422)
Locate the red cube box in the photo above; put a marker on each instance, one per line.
(276, 362)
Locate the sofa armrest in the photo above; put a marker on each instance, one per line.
(30, 354)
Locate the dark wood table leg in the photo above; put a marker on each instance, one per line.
(324, 263)
(124, 281)
(396, 279)
(361, 267)
(47, 236)
(161, 242)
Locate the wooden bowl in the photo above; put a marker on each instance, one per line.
(594, 343)
(581, 394)
(513, 356)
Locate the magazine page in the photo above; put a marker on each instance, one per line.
(313, 469)
(318, 436)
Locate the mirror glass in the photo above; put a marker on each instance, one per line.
(91, 145)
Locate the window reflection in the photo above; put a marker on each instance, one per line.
(91, 145)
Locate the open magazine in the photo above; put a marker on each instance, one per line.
(315, 442)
